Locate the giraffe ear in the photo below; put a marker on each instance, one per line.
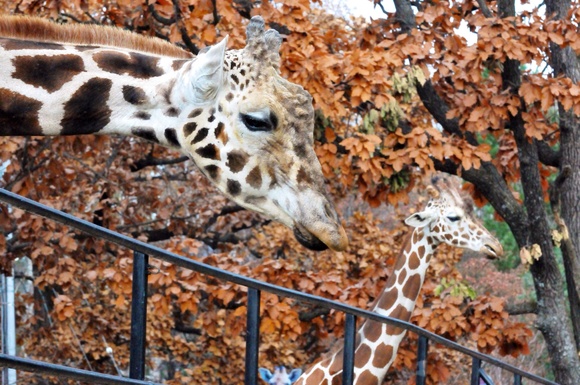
(207, 72)
(265, 374)
(294, 375)
(420, 219)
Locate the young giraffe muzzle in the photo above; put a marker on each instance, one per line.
(249, 130)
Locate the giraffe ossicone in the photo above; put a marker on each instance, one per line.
(249, 130)
(280, 375)
(447, 219)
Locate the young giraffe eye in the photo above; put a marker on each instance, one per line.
(259, 122)
(454, 218)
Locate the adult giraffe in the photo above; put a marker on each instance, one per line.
(446, 219)
(249, 130)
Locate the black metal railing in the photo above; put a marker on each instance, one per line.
(142, 251)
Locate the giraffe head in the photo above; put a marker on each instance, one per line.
(449, 219)
(251, 132)
(280, 376)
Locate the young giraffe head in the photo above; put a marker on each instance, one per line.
(251, 132)
(280, 376)
(449, 219)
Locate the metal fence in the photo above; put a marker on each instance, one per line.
(142, 251)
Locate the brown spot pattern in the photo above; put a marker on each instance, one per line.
(142, 115)
(254, 178)
(368, 378)
(412, 286)
(48, 72)
(362, 355)
(195, 113)
(402, 276)
(388, 299)
(414, 261)
(300, 150)
(213, 171)
(134, 95)
(234, 187)
(201, 135)
(372, 330)
(172, 111)
(221, 134)
(237, 160)
(87, 112)
(18, 114)
(302, 177)
(189, 128)
(171, 137)
(383, 355)
(146, 133)
(272, 174)
(134, 64)
(210, 152)
(316, 376)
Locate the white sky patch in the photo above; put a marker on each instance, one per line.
(366, 9)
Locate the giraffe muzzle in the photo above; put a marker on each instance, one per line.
(308, 240)
(336, 239)
(492, 250)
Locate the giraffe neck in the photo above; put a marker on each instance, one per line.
(377, 343)
(56, 89)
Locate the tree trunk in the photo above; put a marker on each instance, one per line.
(565, 62)
(530, 229)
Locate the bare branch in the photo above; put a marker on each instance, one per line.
(158, 17)
(149, 160)
(547, 155)
(484, 9)
(184, 35)
(530, 307)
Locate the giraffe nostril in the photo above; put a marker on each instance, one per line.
(328, 210)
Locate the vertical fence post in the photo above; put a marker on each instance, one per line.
(8, 323)
(422, 346)
(517, 379)
(138, 316)
(475, 367)
(349, 349)
(252, 336)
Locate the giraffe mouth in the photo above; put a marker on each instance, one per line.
(492, 252)
(307, 239)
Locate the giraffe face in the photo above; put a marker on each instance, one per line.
(255, 140)
(280, 376)
(447, 219)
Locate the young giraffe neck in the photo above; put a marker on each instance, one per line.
(377, 343)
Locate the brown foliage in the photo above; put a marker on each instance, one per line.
(373, 135)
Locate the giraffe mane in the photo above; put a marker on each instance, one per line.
(32, 28)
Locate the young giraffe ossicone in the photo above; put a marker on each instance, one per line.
(249, 130)
(280, 375)
(447, 219)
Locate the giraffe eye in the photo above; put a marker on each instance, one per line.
(454, 218)
(259, 121)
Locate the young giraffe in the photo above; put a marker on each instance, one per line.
(280, 375)
(446, 219)
(249, 130)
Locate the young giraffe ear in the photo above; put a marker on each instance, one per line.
(294, 375)
(207, 72)
(420, 219)
(265, 374)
